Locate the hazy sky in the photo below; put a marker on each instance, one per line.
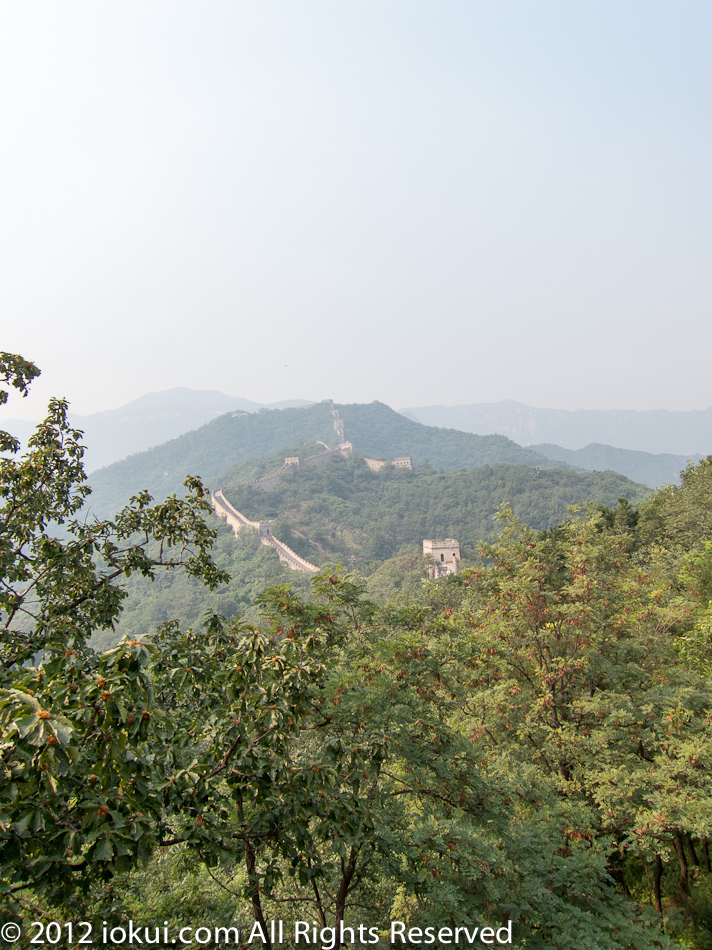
(447, 202)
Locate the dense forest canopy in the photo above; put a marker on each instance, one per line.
(525, 747)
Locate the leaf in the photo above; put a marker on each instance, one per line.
(104, 850)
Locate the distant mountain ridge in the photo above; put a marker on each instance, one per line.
(148, 421)
(652, 470)
(656, 430)
(156, 418)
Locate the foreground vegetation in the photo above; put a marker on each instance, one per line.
(530, 741)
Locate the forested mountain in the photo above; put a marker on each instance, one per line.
(156, 418)
(374, 429)
(656, 431)
(652, 470)
(377, 431)
(228, 440)
(342, 508)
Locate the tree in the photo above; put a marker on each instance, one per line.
(577, 668)
(74, 724)
(680, 516)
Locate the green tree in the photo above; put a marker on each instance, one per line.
(485, 750)
(576, 668)
(74, 724)
(679, 517)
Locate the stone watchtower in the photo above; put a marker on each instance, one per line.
(444, 554)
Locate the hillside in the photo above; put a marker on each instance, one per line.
(232, 438)
(343, 509)
(656, 431)
(227, 440)
(377, 431)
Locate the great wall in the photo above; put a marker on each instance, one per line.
(237, 520)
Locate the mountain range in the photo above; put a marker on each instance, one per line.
(158, 418)
(656, 430)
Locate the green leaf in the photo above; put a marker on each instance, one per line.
(104, 850)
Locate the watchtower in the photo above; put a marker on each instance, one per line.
(444, 554)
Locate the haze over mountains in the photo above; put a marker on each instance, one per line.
(652, 470)
(148, 421)
(585, 439)
(656, 430)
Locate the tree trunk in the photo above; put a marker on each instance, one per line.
(320, 914)
(705, 855)
(691, 853)
(619, 878)
(251, 862)
(656, 883)
(684, 881)
(347, 876)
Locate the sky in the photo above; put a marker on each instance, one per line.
(445, 202)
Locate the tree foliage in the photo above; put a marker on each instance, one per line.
(73, 724)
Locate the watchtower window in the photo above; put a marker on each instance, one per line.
(442, 557)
